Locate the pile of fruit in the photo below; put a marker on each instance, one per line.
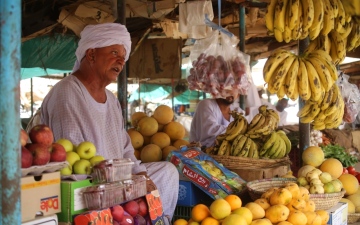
(154, 137)
(285, 205)
(259, 139)
(131, 212)
(42, 150)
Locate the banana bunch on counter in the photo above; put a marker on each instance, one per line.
(326, 114)
(276, 146)
(263, 123)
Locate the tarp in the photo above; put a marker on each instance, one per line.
(158, 93)
(46, 55)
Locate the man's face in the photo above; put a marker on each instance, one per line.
(229, 100)
(109, 61)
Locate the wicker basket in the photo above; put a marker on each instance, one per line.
(353, 217)
(236, 162)
(322, 201)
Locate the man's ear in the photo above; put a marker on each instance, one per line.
(90, 54)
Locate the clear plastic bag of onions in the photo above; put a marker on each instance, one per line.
(218, 67)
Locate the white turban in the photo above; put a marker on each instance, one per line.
(102, 35)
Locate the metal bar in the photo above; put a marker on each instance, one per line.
(304, 128)
(10, 40)
(242, 45)
(122, 79)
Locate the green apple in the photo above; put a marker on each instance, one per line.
(96, 159)
(82, 166)
(72, 157)
(86, 150)
(66, 171)
(67, 144)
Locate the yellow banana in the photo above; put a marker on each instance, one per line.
(323, 72)
(290, 79)
(314, 81)
(274, 114)
(329, 18)
(303, 81)
(341, 17)
(294, 13)
(223, 147)
(346, 30)
(305, 110)
(255, 150)
(236, 131)
(269, 15)
(308, 14)
(326, 59)
(274, 60)
(258, 120)
(270, 141)
(296, 32)
(279, 19)
(327, 99)
(245, 150)
(340, 45)
(317, 24)
(335, 7)
(315, 109)
(279, 77)
(278, 35)
(281, 92)
(221, 137)
(236, 147)
(274, 148)
(286, 141)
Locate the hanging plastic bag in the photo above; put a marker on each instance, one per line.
(218, 67)
(351, 95)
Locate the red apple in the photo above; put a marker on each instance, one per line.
(26, 158)
(143, 208)
(115, 222)
(139, 220)
(117, 212)
(131, 207)
(127, 220)
(41, 155)
(41, 134)
(24, 137)
(57, 153)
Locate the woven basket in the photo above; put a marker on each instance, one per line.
(353, 217)
(322, 201)
(236, 162)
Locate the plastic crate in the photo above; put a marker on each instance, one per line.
(182, 212)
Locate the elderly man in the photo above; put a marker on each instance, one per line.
(80, 108)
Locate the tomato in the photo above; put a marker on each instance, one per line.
(358, 177)
(345, 170)
(351, 170)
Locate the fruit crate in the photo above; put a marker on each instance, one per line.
(112, 170)
(182, 212)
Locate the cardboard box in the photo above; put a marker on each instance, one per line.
(44, 220)
(338, 214)
(206, 173)
(72, 201)
(258, 174)
(156, 58)
(190, 195)
(40, 195)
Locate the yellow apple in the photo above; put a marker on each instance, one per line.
(66, 171)
(82, 166)
(96, 159)
(72, 157)
(66, 144)
(86, 150)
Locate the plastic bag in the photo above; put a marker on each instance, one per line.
(218, 67)
(351, 95)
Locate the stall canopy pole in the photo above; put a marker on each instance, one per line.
(242, 45)
(122, 79)
(10, 36)
(304, 128)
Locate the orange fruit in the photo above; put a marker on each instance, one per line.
(180, 222)
(350, 183)
(234, 201)
(332, 166)
(209, 221)
(199, 212)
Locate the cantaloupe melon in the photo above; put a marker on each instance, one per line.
(163, 114)
(175, 130)
(137, 140)
(147, 126)
(135, 118)
(161, 139)
(150, 153)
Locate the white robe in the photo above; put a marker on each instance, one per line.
(208, 122)
(72, 113)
